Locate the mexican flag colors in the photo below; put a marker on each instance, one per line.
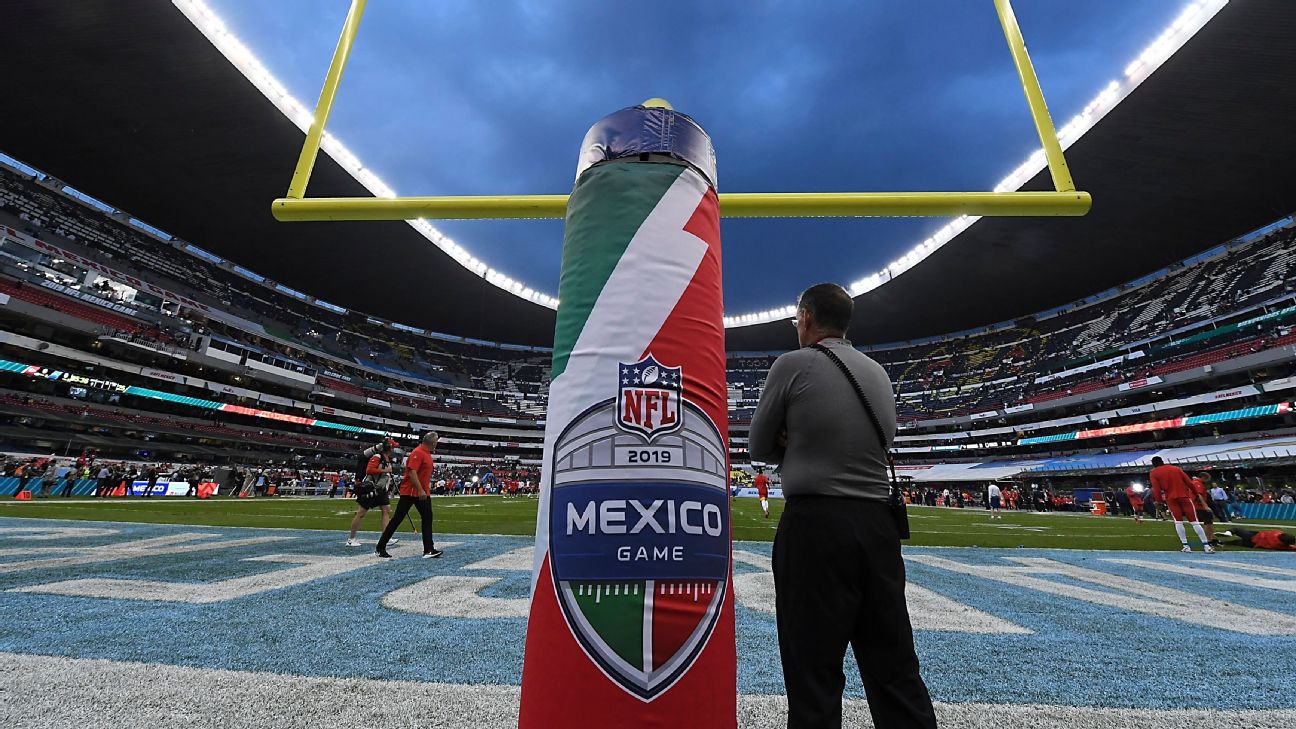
(632, 599)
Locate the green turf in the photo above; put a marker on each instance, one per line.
(931, 526)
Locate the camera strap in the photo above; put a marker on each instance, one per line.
(894, 499)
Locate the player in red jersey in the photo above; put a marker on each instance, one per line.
(1269, 539)
(761, 482)
(1202, 502)
(1171, 486)
(1135, 497)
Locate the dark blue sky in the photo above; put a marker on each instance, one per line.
(493, 97)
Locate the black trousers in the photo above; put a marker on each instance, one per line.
(403, 505)
(839, 581)
(1221, 510)
(1244, 536)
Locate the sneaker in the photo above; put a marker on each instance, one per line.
(1186, 548)
(384, 555)
(353, 542)
(1209, 549)
(433, 554)
(393, 540)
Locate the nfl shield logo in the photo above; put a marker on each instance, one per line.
(640, 554)
(648, 398)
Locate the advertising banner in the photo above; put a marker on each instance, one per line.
(162, 375)
(751, 493)
(1141, 382)
(166, 488)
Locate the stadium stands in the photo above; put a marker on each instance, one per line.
(1029, 362)
(71, 307)
(1103, 356)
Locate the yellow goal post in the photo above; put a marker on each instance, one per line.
(1063, 200)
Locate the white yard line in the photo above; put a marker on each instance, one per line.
(122, 695)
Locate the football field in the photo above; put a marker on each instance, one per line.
(253, 613)
(931, 526)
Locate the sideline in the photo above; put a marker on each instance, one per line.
(127, 695)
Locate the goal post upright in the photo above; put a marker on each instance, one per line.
(324, 107)
(1057, 164)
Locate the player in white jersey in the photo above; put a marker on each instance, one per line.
(995, 501)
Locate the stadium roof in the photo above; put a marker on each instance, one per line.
(129, 102)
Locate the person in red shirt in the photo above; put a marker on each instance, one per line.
(1136, 503)
(1171, 486)
(415, 491)
(761, 482)
(1270, 539)
(1201, 502)
(371, 491)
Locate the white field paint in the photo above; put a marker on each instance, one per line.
(1254, 567)
(128, 695)
(1128, 594)
(186, 543)
(927, 610)
(310, 568)
(456, 596)
(517, 560)
(46, 534)
(1196, 571)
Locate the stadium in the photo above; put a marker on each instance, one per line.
(192, 392)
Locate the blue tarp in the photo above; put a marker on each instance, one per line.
(1092, 461)
(9, 486)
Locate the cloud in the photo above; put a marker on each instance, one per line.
(471, 97)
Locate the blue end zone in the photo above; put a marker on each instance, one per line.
(1064, 650)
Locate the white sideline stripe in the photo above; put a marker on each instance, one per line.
(122, 695)
(1125, 593)
(933, 611)
(47, 534)
(1195, 571)
(458, 597)
(517, 560)
(171, 544)
(928, 610)
(1254, 567)
(311, 568)
(455, 596)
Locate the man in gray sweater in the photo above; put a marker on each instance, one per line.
(838, 576)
